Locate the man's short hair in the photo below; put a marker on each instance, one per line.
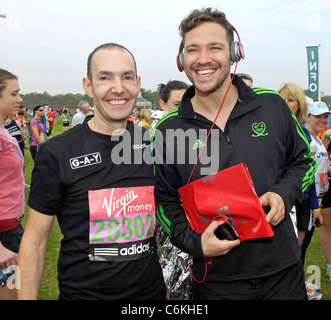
(110, 46)
(197, 17)
(82, 104)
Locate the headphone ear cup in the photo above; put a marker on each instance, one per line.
(235, 52)
(180, 62)
(237, 48)
(180, 57)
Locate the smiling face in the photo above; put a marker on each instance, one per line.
(207, 57)
(10, 99)
(317, 123)
(114, 85)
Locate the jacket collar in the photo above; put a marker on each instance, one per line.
(248, 100)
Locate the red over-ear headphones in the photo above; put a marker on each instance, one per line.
(180, 57)
(236, 51)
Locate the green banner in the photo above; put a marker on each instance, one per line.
(312, 55)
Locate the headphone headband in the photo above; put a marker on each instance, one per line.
(236, 51)
(237, 48)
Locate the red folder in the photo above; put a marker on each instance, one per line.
(226, 195)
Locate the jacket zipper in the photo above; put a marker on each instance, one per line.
(227, 137)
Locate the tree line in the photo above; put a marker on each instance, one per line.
(72, 99)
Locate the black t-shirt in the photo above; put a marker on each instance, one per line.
(100, 188)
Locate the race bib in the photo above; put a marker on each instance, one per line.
(324, 184)
(122, 223)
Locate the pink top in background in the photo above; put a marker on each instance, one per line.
(11, 177)
(35, 122)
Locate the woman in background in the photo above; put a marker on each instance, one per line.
(171, 94)
(11, 181)
(36, 128)
(145, 118)
(325, 229)
(66, 119)
(296, 99)
(174, 262)
(308, 213)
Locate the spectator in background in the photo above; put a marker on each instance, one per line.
(20, 116)
(25, 118)
(22, 119)
(36, 128)
(51, 115)
(79, 117)
(171, 94)
(11, 181)
(175, 270)
(325, 229)
(145, 118)
(135, 116)
(296, 99)
(44, 120)
(308, 211)
(66, 119)
(246, 78)
(15, 129)
(317, 119)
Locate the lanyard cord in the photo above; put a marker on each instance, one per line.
(219, 110)
(189, 179)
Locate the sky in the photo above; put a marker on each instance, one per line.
(46, 42)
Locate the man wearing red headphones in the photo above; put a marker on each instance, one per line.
(248, 125)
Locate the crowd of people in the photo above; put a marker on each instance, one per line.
(126, 234)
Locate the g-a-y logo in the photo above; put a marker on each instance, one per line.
(85, 160)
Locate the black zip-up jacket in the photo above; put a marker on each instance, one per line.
(261, 132)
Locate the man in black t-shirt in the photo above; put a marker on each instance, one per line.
(98, 180)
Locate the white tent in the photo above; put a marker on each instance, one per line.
(309, 100)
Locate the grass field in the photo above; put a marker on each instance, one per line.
(315, 261)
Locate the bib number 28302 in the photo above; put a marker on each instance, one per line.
(122, 223)
(128, 228)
